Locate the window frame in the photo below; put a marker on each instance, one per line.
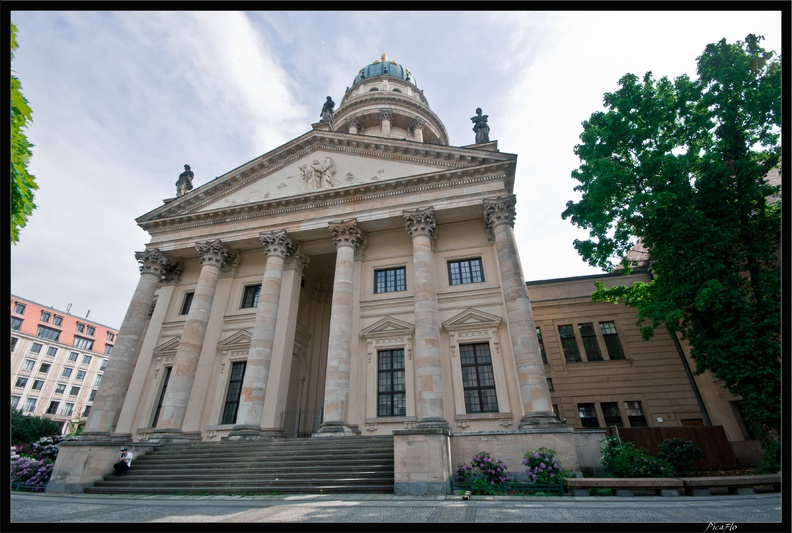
(459, 278)
(250, 296)
(611, 341)
(16, 323)
(231, 401)
(590, 342)
(585, 420)
(51, 334)
(388, 393)
(187, 301)
(569, 341)
(28, 365)
(386, 285)
(484, 380)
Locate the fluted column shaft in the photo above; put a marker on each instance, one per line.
(347, 237)
(420, 224)
(118, 374)
(499, 216)
(277, 245)
(214, 256)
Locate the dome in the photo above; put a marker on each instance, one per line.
(384, 67)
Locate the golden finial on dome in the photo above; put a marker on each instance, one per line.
(384, 56)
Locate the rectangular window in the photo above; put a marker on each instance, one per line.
(37, 385)
(44, 368)
(108, 349)
(611, 338)
(68, 409)
(60, 388)
(635, 414)
(93, 394)
(187, 303)
(66, 372)
(53, 408)
(14, 342)
(569, 343)
(73, 356)
(30, 405)
(91, 330)
(590, 344)
(45, 316)
(80, 375)
(57, 320)
(52, 351)
(550, 384)
(391, 391)
(103, 365)
(83, 343)
(234, 391)
(19, 308)
(588, 415)
(28, 364)
(15, 402)
(390, 280)
(74, 391)
(80, 327)
(610, 410)
(16, 323)
(48, 333)
(110, 336)
(465, 271)
(36, 348)
(21, 382)
(541, 345)
(86, 411)
(98, 380)
(161, 395)
(86, 360)
(478, 378)
(251, 296)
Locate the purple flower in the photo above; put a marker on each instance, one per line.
(552, 475)
(542, 466)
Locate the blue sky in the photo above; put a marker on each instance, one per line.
(123, 99)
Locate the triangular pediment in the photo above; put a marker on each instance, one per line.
(471, 319)
(320, 165)
(238, 339)
(388, 326)
(168, 346)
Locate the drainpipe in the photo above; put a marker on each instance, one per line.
(681, 352)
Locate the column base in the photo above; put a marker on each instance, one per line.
(173, 435)
(432, 422)
(338, 428)
(252, 433)
(541, 419)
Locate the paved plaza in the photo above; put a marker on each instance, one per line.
(759, 512)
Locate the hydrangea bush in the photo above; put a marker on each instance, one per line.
(543, 468)
(31, 473)
(483, 472)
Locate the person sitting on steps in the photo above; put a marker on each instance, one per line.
(124, 462)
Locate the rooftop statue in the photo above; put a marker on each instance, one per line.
(184, 183)
(480, 127)
(327, 111)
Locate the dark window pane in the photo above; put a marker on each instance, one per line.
(478, 378)
(391, 400)
(569, 343)
(590, 343)
(231, 406)
(611, 340)
(251, 296)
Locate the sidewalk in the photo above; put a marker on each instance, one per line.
(759, 512)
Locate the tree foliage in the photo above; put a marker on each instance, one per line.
(680, 166)
(27, 429)
(22, 182)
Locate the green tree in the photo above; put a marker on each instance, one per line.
(22, 182)
(680, 166)
(26, 429)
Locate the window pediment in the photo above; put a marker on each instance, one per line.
(472, 320)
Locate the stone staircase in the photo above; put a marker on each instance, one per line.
(309, 466)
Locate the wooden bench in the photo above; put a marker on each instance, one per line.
(701, 486)
(666, 486)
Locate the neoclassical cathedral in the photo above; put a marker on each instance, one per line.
(361, 279)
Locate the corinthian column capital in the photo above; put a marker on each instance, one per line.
(347, 233)
(277, 243)
(214, 252)
(153, 261)
(299, 260)
(499, 210)
(420, 222)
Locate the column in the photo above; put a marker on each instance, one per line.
(112, 390)
(420, 225)
(354, 125)
(277, 246)
(499, 216)
(386, 115)
(416, 128)
(347, 238)
(214, 256)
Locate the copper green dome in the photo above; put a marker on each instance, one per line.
(384, 67)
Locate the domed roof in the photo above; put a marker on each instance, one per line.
(384, 67)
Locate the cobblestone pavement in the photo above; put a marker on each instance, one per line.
(760, 512)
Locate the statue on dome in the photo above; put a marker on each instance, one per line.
(327, 111)
(480, 127)
(184, 183)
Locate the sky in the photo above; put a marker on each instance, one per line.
(122, 100)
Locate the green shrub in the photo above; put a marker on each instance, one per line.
(623, 459)
(26, 429)
(484, 474)
(680, 453)
(771, 459)
(543, 468)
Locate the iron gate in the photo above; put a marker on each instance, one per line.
(300, 423)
